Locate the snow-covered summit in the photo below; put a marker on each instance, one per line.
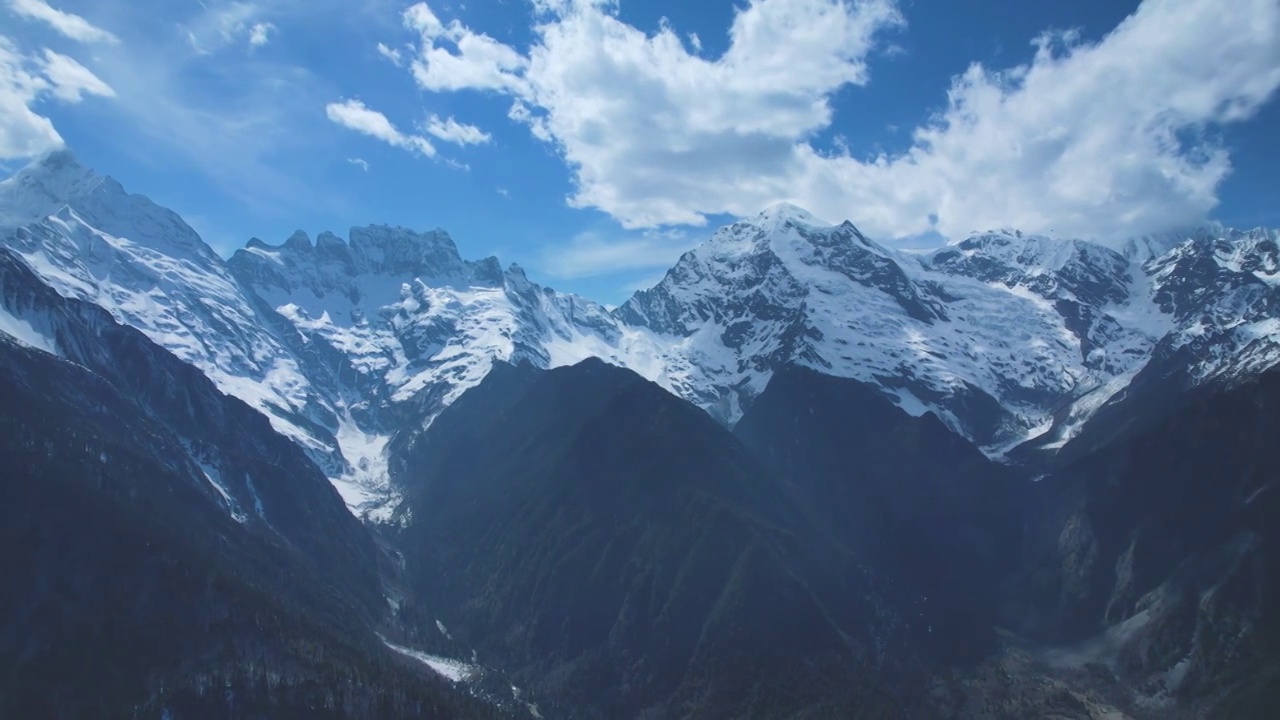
(43, 187)
(1004, 335)
(58, 184)
(781, 213)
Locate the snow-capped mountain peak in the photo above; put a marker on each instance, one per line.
(343, 343)
(1003, 335)
(47, 185)
(781, 213)
(57, 184)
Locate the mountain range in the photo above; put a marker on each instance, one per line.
(806, 474)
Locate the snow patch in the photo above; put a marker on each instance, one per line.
(214, 476)
(25, 332)
(453, 670)
(253, 492)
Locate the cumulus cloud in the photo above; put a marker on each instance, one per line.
(24, 80)
(1100, 139)
(72, 26)
(454, 57)
(354, 115)
(451, 130)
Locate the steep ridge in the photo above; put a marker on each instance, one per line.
(338, 344)
(167, 554)
(89, 240)
(258, 477)
(918, 504)
(397, 325)
(623, 554)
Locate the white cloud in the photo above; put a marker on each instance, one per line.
(453, 57)
(23, 133)
(1101, 140)
(451, 130)
(360, 163)
(24, 80)
(591, 254)
(1097, 139)
(70, 79)
(391, 54)
(260, 33)
(73, 26)
(646, 125)
(354, 115)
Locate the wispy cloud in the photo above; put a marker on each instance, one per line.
(260, 34)
(591, 254)
(353, 114)
(451, 130)
(70, 25)
(360, 163)
(71, 80)
(221, 24)
(391, 54)
(233, 118)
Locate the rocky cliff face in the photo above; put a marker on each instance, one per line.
(1157, 555)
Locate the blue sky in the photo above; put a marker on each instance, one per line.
(593, 141)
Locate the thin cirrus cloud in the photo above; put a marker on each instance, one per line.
(225, 24)
(71, 25)
(1103, 140)
(591, 253)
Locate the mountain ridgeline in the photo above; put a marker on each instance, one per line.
(805, 475)
(168, 554)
